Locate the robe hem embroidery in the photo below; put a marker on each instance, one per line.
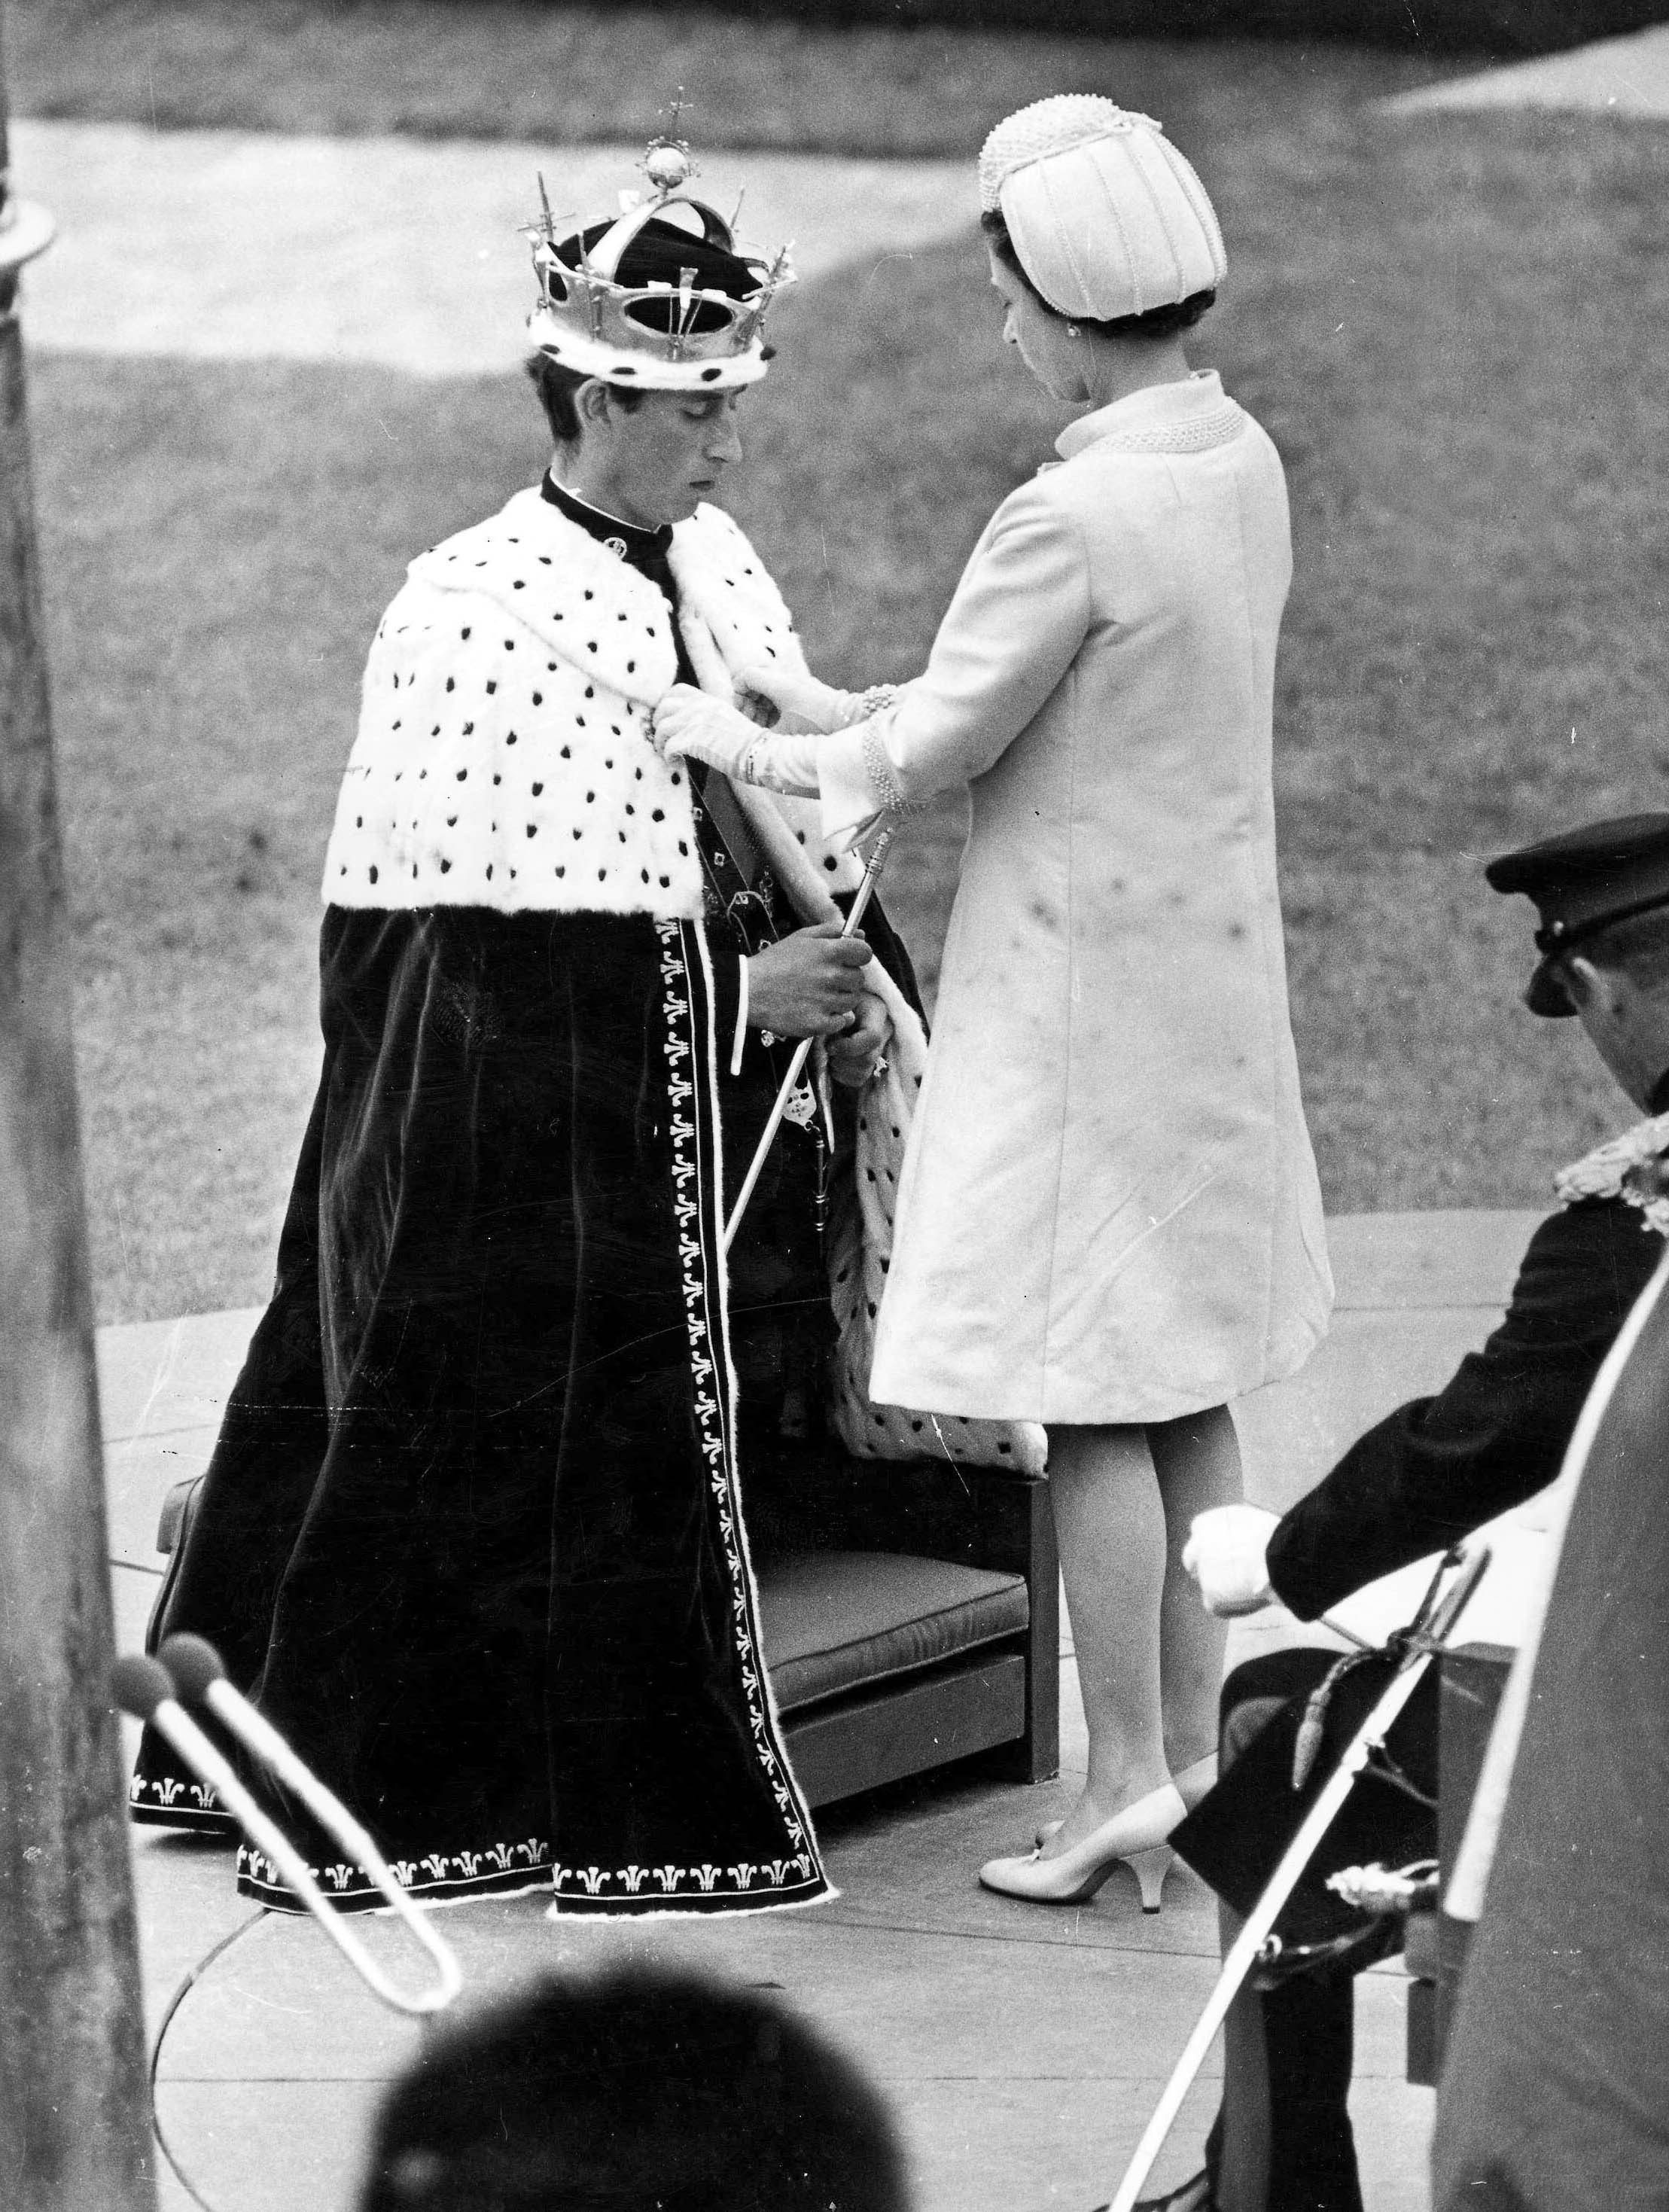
(795, 1874)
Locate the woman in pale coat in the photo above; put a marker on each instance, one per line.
(1108, 1219)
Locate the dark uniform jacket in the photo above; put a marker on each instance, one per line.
(1438, 1467)
(1429, 1472)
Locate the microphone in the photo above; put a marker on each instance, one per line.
(151, 1689)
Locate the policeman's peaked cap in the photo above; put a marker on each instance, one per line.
(1582, 883)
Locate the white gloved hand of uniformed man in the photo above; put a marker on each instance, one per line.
(1227, 1554)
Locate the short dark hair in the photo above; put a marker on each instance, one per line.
(556, 387)
(1165, 322)
(630, 2090)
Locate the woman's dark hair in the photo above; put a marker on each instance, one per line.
(1166, 322)
(557, 386)
(642, 2087)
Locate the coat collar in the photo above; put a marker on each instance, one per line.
(1152, 417)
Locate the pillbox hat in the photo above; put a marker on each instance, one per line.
(1107, 218)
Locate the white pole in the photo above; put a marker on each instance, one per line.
(878, 860)
(1243, 1953)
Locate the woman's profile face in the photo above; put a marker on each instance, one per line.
(1037, 336)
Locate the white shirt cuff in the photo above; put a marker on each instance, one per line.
(741, 1038)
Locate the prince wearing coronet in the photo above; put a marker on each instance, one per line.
(472, 1534)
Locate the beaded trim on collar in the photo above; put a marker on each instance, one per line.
(1629, 1166)
(1200, 435)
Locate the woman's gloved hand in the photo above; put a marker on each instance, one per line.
(797, 705)
(692, 725)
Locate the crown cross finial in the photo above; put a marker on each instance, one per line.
(777, 276)
(667, 161)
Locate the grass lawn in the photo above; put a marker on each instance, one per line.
(485, 69)
(1453, 328)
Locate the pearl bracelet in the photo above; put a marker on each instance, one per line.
(860, 706)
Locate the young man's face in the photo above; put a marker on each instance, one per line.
(658, 463)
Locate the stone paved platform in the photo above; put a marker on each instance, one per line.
(1024, 2047)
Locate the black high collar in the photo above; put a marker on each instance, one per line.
(638, 546)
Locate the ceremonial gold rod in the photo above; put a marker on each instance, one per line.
(878, 860)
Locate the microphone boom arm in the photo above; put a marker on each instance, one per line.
(148, 1689)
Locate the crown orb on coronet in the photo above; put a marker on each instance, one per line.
(667, 165)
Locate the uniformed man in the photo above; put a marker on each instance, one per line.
(1428, 1474)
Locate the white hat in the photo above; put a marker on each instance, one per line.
(1107, 218)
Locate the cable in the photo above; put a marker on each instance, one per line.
(194, 1975)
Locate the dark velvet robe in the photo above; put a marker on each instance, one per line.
(472, 1535)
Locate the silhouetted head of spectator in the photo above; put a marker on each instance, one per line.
(635, 2091)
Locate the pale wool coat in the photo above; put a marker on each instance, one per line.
(1109, 1209)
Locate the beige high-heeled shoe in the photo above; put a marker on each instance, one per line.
(1191, 1784)
(1135, 1836)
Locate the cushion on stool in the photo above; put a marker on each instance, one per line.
(836, 1620)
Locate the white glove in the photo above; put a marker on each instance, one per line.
(1225, 1553)
(802, 705)
(691, 725)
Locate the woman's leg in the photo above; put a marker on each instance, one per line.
(1198, 1462)
(1150, 1657)
(1111, 1531)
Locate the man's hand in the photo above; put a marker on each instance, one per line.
(1225, 1554)
(852, 1054)
(809, 984)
